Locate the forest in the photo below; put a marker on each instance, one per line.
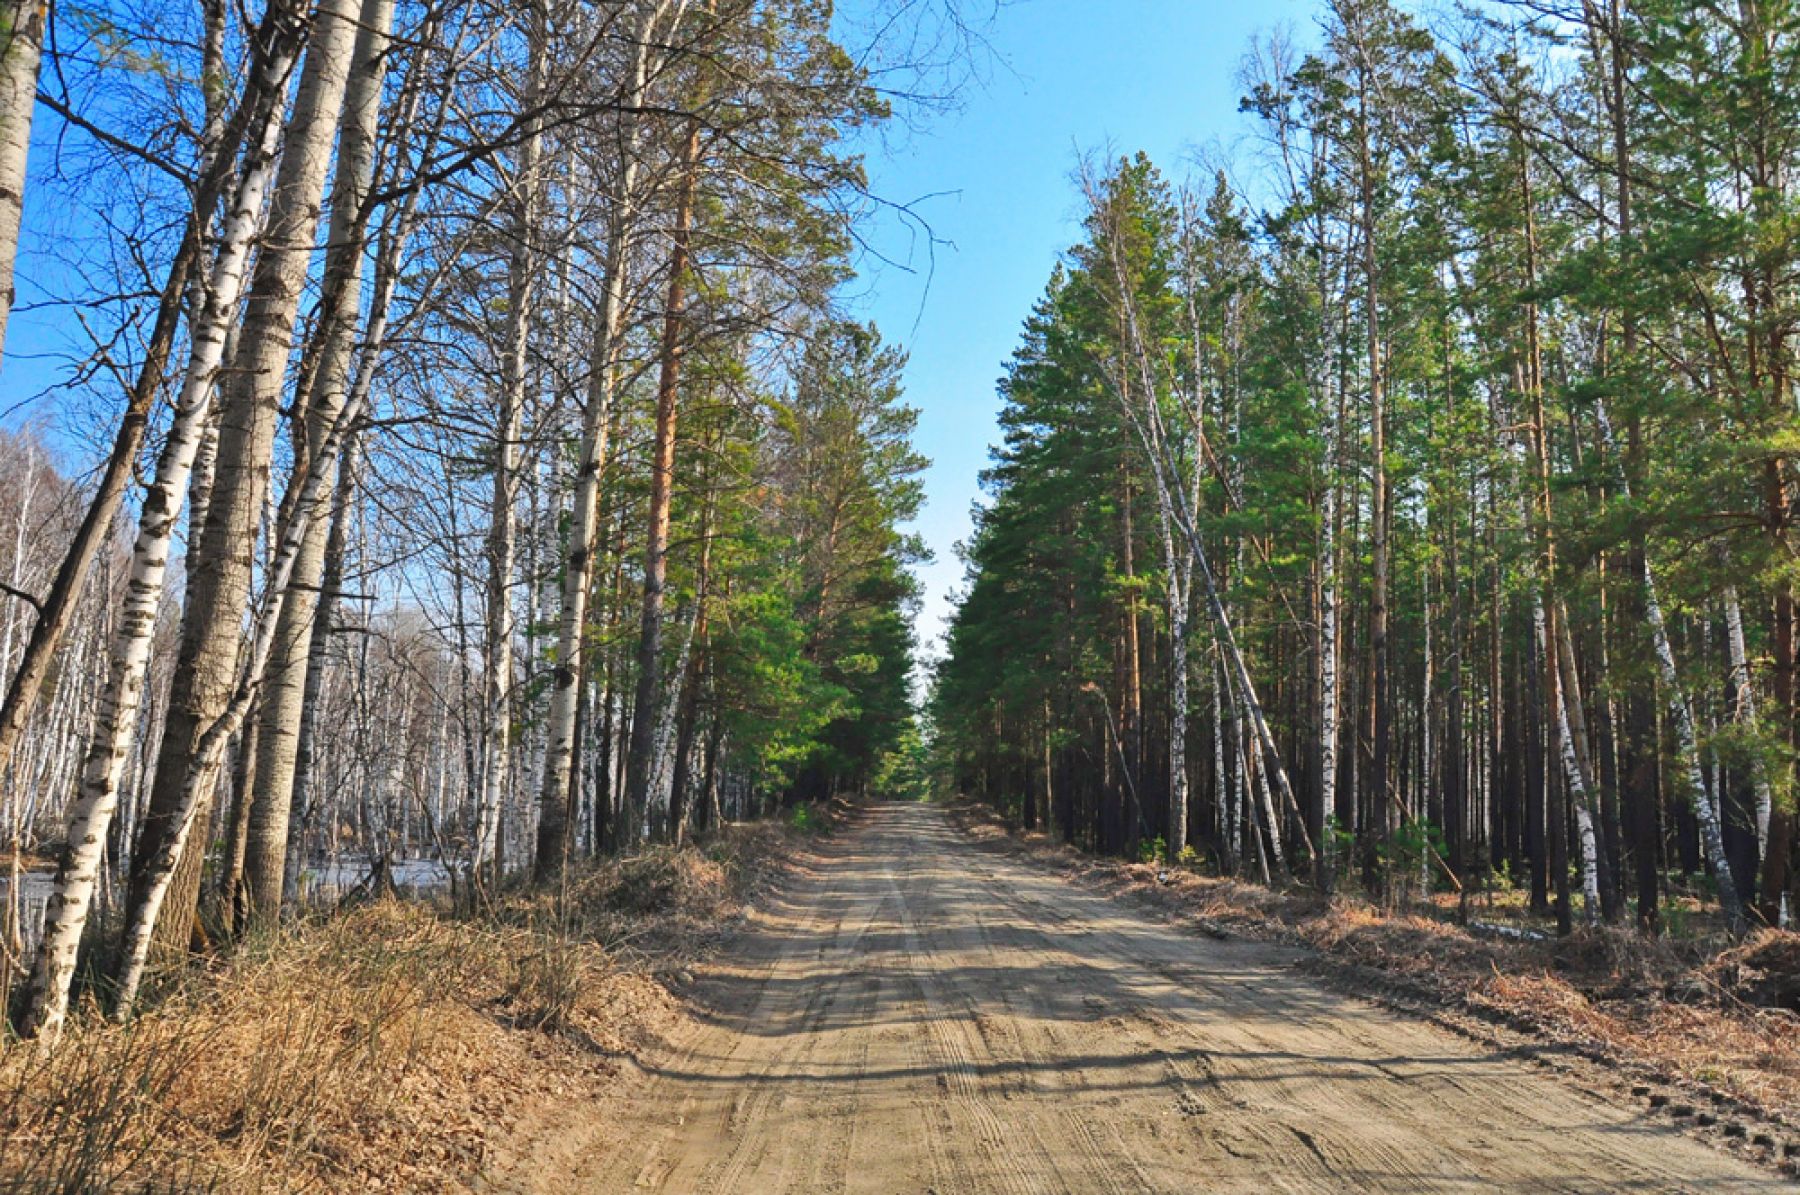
(1406, 503)
(488, 475)
(473, 709)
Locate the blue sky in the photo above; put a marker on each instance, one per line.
(993, 178)
(1068, 76)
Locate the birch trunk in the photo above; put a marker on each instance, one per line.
(1178, 569)
(578, 567)
(392, 247)
(58, 606)
(1328, 663)
(1221, 780)
(1573, 773)
(160, 867)
(280, 711)
(21, 50)
(91, 812)
(223, 562)
(1712, 834)
(1178, 717)
(521, 293)
(1746, 716)
(1147, 422)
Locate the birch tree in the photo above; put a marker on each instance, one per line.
(116, 718)
(222, 561)
(21, 51)
(597, 415)
(280, 713)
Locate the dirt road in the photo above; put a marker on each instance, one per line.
(919, 1016)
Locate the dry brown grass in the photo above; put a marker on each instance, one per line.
(386, 1048)
(1720, 1015)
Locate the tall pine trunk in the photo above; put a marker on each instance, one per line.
(640, 764)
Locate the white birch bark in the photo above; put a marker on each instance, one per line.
(159, 871)
(116, 717)
(1712, 835)
(1221, 780)
(1572, 775)
(1178, 716)
(1328, 643)
(578, 565)
(1178, 571)
(497, 679)
(1271, 820)
(1746, 716)
(21, 52)
(1148, 424)
(280, 713)
(223, 565)
(1428, 755)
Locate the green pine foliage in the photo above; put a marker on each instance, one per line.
(1588, 215)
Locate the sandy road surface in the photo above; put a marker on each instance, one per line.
(919, 1016)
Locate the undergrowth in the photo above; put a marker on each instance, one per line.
(1705, 1008)
(382, 1046)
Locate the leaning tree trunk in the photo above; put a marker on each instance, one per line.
(1146, 421)
(280, 711)
(1248, 701)
(91, 812)
(1712, 835)
(21, 50)
(57, 608)
(161, 864)
(1569, 717)
(223, 564)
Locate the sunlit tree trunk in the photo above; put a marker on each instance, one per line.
(521, 299)
(281, 710)
(641, 761)
(160, 865)
(116, 719)
(578, 566)
(223, 562)
(21, 51)
(56, 609)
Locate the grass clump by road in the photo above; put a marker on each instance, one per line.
(392, 1046)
